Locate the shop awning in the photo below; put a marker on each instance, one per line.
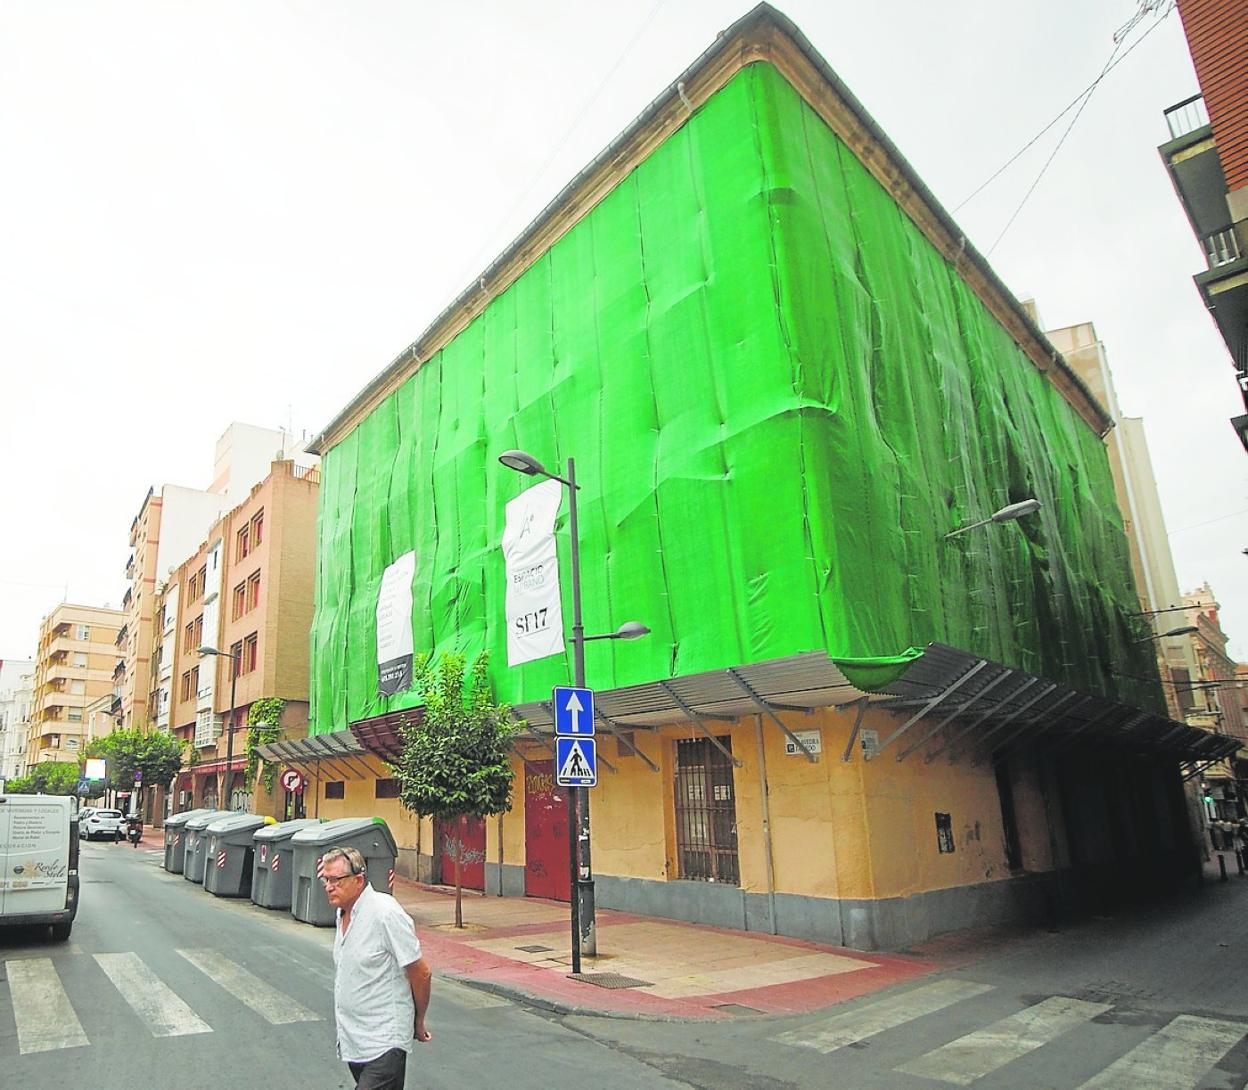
(951, 703)
(214, 767)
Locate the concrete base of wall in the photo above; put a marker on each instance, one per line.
(415, 865)
(506, 880)
(861, 925)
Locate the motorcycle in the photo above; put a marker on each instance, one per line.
(135, 832)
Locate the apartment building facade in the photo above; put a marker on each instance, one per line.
(247, 591)
(1135, 485)
(16, 693)
(1207, 157)
(170, 524)
(73, 670)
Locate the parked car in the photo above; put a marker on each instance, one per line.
(39, 862)
(103, 823)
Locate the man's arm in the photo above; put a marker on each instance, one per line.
(420, 977)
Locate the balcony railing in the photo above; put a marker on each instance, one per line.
(1187, 116)
(1221, 247)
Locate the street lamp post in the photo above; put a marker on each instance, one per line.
(580, 868)
(227, 774)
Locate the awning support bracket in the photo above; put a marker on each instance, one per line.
(931, 705)
(768, 710)
(957, 736)
(848, 755)
(929, 735)
(1065, 698)
(624, 740)
(696, 719)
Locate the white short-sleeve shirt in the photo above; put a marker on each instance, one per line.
(372, 997)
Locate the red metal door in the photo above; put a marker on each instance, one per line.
(465, 835)
(545, 833)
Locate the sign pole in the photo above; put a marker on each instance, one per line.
(578, 800)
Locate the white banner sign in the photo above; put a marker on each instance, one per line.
(534, 609)
(394, 626)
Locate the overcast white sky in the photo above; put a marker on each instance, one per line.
(245, 210)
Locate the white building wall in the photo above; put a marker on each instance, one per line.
(185, 517)
(16, 697)
(245, 455)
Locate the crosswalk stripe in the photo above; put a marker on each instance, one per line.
(273, 1006)
(1176, 1056)
(164, 1014)
(884, 1014)
(977, 1054)
(45, 1019)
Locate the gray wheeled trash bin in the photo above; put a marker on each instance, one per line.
(228, 852)
(175, 838)
(193, 834)
(370, 836)
(273, 864)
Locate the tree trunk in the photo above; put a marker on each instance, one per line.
(459, 889)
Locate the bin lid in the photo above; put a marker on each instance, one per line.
(176, 821)
(344, 831)
(202, 821)
(236, 823)
(284, 830)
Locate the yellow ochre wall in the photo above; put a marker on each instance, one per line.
(861, 830)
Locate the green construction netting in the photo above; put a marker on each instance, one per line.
(779, 397)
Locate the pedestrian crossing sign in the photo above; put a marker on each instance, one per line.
(576, 761)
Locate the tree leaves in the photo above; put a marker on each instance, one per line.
(457, 758)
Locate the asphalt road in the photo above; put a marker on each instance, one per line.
(165, 985)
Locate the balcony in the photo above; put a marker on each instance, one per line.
(1187, 117)
(1221, 248)
(130, 567)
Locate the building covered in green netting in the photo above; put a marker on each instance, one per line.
(784, 377)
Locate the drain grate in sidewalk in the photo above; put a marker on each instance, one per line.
(536, 949)
(610, 980)
(736, 1008)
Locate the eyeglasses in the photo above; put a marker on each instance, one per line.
(331, 880)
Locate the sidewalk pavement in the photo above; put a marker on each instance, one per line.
(521, 947)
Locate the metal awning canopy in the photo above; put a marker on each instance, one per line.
(338, 751)
(949, 703)
(798, 683)
(964, 704)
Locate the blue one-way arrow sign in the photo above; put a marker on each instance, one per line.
(574, 710)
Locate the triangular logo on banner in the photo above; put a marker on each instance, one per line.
(575, 767)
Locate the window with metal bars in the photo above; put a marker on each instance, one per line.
(706, 811)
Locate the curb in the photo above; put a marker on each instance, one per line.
(554, 1006)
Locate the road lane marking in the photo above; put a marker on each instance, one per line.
(160, 1009)
(1178, 1055)
(977, 1054)
(273, 1006)
(45, 1018)
(884, 1014)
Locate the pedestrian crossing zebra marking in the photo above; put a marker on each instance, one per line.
(164, 1014)
(969, 1058)
(273, 1006)
(884, 1014)
(44, 1015)
(1178, 1054)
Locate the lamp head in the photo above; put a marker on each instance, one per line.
(522, 463)
(1017, 511)
(205, 649)
(631, 630)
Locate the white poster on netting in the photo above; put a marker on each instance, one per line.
(394, 626)
(534, 609)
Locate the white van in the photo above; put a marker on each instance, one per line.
(39, 862)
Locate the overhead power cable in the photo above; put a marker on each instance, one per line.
(1080, 97)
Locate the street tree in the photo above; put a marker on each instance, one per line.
(456, 760)
(155, 753)
(47, 778)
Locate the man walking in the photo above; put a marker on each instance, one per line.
(381, 983)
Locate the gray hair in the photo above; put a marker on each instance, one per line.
(350, 856)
